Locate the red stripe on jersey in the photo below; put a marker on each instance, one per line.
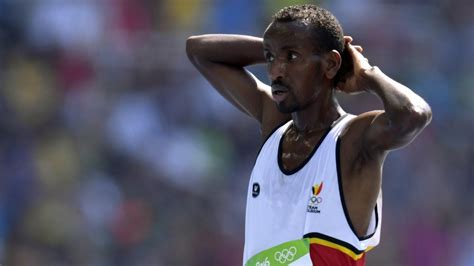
(327, 256)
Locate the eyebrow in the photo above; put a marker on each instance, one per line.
(285, 47)
(290, 47)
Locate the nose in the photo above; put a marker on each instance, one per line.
(277, 70)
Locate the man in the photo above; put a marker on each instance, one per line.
(315, 191)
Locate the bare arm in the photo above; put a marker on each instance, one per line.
(368, 138)
(237, 50)
(221, 60)
(405, 113)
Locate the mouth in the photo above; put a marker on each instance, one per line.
(279, 93)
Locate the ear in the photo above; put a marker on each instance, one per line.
(332, 64)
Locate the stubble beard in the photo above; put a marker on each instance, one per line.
(287, 109)
(287, 106)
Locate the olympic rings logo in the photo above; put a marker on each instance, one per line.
(316, 200)
(285, 255)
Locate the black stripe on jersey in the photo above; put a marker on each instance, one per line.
(343, 201)
(335, 241)
(323, 137)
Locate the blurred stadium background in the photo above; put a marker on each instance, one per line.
(115, 151)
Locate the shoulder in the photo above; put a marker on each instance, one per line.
(353, 135)
(359, 123)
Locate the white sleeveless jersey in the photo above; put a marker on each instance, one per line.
(299, 217)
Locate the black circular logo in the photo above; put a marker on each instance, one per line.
(255, 190)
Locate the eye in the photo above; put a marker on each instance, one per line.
(269, 57)
(292, 56)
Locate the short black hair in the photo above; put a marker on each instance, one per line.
(325, 28)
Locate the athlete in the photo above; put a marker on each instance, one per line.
(314, 195)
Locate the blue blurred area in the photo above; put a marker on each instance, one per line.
(115, 151)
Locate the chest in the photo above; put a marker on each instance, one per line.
(285, 202)
(296, 149)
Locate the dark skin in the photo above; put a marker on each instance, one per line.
(303, 90)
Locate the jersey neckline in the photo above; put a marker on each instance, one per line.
(315, 148)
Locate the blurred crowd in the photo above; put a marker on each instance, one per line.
(115, 151)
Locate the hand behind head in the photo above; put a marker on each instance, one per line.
(347, 66)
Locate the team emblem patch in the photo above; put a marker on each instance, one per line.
(315, 199)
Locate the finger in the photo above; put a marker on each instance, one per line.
(359, 48)
(348, 39)
(358, 57)
(354, 52)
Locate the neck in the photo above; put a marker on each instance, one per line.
(319, 114)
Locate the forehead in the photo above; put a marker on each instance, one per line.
(280, 34)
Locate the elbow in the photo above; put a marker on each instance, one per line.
(422, 115)
(191, 44)
(415, 120)
(428, 115)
